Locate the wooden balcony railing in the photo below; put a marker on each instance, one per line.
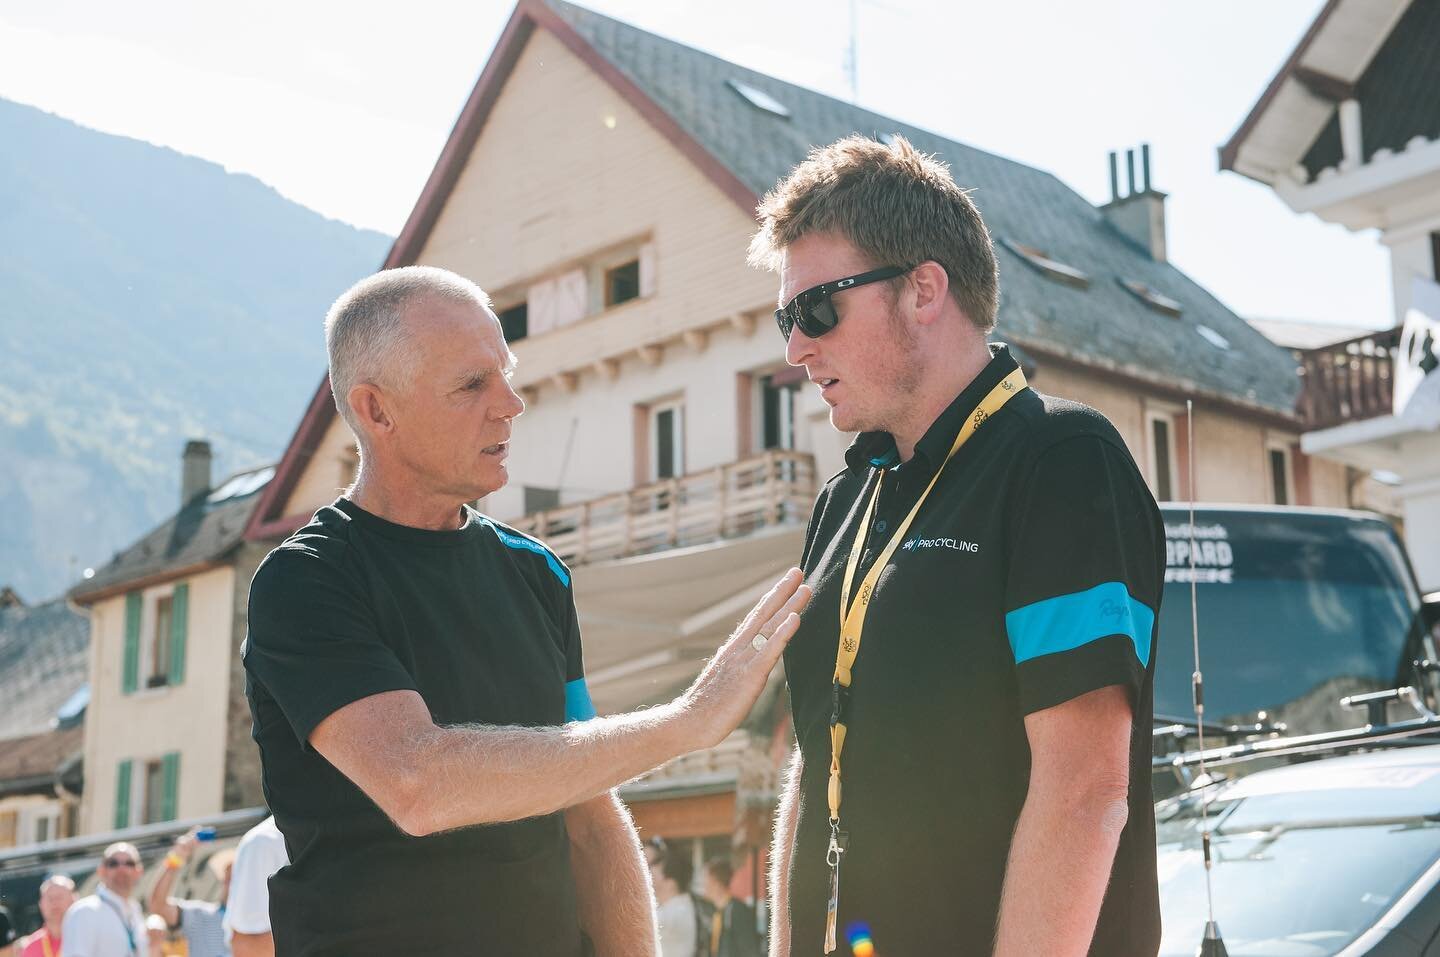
(773, 488)
(1348, 381)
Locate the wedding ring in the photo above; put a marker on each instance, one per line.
(758, 642)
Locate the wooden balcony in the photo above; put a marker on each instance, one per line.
(772, 488)
(1348, 381)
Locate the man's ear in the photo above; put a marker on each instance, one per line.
(931, 286)
(371, 409)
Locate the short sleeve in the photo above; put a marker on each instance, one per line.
(578, 706)
(1084, 574)
(312, 643)
(261, 854)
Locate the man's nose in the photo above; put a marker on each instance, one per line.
(799, 347)
(513, 405)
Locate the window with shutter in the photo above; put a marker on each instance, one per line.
(169, 804)
(130, 669)
(122, 795)
(179, 630)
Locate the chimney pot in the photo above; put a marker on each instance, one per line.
(1139, 215)
(194, 471)
(1114, 176)
(1130, 172)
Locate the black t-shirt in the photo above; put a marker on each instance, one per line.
(1031, 575)
(481, 622)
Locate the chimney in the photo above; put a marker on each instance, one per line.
(194, 471)
(1139, 214)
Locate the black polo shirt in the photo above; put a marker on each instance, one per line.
(1031, 575)
(481, 622)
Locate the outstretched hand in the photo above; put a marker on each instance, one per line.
(726, 689)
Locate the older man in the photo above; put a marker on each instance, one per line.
(109, 923)
(429, 748)
(972, 687)
(57, 894)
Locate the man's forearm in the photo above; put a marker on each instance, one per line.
(617, 904)
(481, 774)
(1060, 863)
(782, 846)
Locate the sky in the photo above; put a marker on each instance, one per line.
(344, 107)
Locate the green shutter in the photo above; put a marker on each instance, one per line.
(122, 796)
(179, 619)
(171, 766)
(130, 672)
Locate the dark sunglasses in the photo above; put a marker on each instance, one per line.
(113, 862)
(814, 313)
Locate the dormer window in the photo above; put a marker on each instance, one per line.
(759, 99)
(1048, 266)
(1152, 297)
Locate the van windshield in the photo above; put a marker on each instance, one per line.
(1296, 610)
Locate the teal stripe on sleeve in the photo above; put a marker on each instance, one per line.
(1066, 622)
(578, 706)
(524, 544)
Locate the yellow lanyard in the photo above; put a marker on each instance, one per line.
(853, 620)
(45, 943)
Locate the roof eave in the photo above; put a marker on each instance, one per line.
(1229, 153)
(87, 598)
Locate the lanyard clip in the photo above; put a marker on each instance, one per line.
(839, 703)
(839, 841)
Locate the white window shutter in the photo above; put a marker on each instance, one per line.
(647, 269)
(543, 307)
(572, 300)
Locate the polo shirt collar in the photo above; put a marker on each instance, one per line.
(877, 449)
(107, 894)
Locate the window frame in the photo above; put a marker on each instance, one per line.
(653, 413)
(1168, 417)
(608, 301)
(1272, 446)
(763, 384)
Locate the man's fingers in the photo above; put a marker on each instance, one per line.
(795, 604)
(774, 599)
(776, 645)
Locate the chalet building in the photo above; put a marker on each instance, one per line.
(168, 735)
(1349, 130)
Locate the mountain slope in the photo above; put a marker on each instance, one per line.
(146, 297)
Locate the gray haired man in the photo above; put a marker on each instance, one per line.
(415, 673)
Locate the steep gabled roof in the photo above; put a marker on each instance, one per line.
(200, 535)
(698, 102)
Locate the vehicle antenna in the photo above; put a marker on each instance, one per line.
(1213, 945)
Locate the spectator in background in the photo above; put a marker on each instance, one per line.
(57, 893)
(108, 923)
(247, 913)
(733, 932)
(198, 920)
(672, 873)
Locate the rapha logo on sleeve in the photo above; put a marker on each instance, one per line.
(952, 544)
